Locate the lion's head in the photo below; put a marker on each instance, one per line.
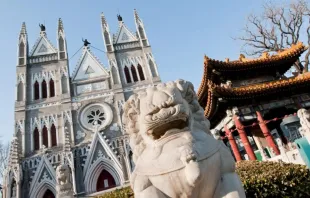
(62, 172)
(162, 110)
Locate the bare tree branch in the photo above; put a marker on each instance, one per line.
(278, 28)
(4, 156)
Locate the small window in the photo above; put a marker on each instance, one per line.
(134, 73)
(44, 89)
(36, 140)
(61, 44)
(140, 70)
(127, 74)
(64, 86)
(36, 88)
(52, 88)
(20, 91)
(53, 135)
(45, 136)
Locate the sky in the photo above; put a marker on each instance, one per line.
(180, 33)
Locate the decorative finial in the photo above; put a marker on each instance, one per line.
(136, 14)
(86, 43)
(23, 30)
(42, 27)
(119, 18)
(103, 18)
(60, 25)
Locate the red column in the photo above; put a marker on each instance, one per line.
(233, 144)
(266, 132)
(244, 138)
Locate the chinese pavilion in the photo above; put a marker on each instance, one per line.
(251, 104)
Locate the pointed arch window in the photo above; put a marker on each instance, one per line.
(13, 188)
(36, 88)
(21, 49)
(48, 194)
(20, 91)
(21, 54)
(134, 73)
(36, 140)
(61, 44)
(64, 86)
(45, 136)
(106, 38)
(127, 74)
(105, 181)
(114, 75)
(141, 74)
(44, 89)
(152, 68)
(52, 88)
(141, 32)
(53, 135)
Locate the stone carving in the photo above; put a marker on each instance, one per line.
(80, 135)
(13, 191)
(172, 144)
(304, 116)
(85, 42)
(114, 127)
(64, 186)
(42, 27)
(76, 106)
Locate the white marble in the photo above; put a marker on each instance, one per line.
(64, 187)
(174, 152)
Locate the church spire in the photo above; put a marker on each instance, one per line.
(61, 39)
(23, 29)
(106, 34)
(14, 152)
(22, 46)
(140, 29)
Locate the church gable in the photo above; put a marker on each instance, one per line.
(100, 148)
(99, 153)
(124, 36)
(44, 174)
(88, 67)
(42, 47)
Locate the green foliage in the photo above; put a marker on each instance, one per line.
(274, 179)
(260, 179)
(118, 193)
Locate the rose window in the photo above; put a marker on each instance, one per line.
(96, 115)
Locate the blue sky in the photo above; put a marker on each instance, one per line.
(180, 33)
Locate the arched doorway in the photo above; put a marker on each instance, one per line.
(48, 194)
(105, 181)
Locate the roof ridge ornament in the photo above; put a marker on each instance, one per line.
(42, 27)
(119, 18)
(86, 43)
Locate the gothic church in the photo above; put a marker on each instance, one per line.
(75, 120)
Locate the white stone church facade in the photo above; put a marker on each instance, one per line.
(75, 120)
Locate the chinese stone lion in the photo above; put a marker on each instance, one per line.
(64, 186)
(173, 150)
